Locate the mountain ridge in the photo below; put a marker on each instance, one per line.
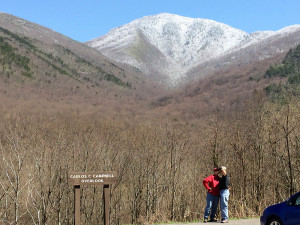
(182, 43)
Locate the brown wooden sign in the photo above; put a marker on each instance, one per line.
(92, 178)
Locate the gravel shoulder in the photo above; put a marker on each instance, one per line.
(254, 221)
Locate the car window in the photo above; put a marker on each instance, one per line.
(297, 202)
(294, 200)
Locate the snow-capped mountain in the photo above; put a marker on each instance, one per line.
(167, 46)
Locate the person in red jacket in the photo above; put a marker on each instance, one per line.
(211, 183)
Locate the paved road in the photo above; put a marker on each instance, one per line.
(231, 222)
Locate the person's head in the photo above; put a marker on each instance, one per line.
(216, 170)
(223, 170)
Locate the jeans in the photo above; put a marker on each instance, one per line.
(211, 206)
(224, 196)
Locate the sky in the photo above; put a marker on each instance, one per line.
(84, 20)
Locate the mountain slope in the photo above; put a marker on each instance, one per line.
(46, 39)
(178, 42)
(41, 66)
(288, 71)
(271, 49)
(175, 44)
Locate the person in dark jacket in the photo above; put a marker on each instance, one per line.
(211, 183)
(224, 193)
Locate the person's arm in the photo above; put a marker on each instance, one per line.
(227, 181)
(206, 182)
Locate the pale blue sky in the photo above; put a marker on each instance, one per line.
(84, 20)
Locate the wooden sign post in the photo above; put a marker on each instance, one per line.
(92, 178)
(77, 204)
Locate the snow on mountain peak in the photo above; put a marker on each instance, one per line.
(178, 42)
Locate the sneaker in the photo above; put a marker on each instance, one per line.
(224, 221)
(213, 220)
(205, 221)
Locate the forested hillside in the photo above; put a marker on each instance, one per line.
(36, 74)
(288, 69)
(160, 164)
(21, 52)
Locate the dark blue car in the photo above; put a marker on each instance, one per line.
(285, 213)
